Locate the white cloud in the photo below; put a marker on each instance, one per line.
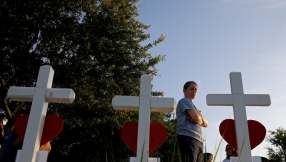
(198, 81)
(275, 4)
(236, 1)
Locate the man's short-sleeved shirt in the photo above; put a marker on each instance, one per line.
(184, 126)
(226, 160)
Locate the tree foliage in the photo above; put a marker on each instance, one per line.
(278, 140)
(96, 47)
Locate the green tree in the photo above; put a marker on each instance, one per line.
(96, 48)
(277, 152)
(29, 32)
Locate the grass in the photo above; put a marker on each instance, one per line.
(176, 151)
(217, 149)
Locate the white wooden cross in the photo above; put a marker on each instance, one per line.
(40, 96)
(239, 100)
(144, 104)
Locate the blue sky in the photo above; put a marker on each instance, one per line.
(208, 39)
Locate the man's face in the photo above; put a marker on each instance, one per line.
(210, 158)
(191, 91)
(228, 150)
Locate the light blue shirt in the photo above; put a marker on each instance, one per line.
(184, 126)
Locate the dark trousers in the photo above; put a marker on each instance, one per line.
(191, 150)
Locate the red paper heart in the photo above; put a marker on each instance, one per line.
(256, 131)
(52, 127)
(129, 132)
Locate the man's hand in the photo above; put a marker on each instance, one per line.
(190, 119)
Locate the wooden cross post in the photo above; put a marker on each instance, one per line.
(239, 100)
(40, 96)
(144, 104)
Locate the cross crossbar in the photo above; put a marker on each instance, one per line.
(249, 99)
(54, 95)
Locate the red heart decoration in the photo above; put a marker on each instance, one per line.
(129, 135)
(256, 131)
(52, 127)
